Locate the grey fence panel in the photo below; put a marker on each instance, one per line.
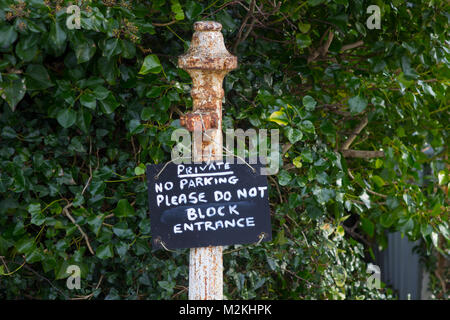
(400, 267)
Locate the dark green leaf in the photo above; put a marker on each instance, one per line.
(66, 117)
(357, 104)
(151, 65)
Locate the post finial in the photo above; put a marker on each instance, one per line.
(207, 50)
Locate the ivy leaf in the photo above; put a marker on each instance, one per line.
(151, 65)
(323, 195)
(442, 177)
(309, 103)
(84, 120)
(378, 180)
(365, 198)
(177, 10)
(357, 104)
(303, 40)
(435, 239)
(122, 230)
(104, 251)
(279, 117)
(57, 37)
(314, 212)
(37, 217)
(193, 9)
(109, 104)
(284, 178)
(294, 135)
(408, 71)
(88, 100)
(95, 223)
(7, 36)
(112, 48)
(304, 27)
(101, 92)
(297, 161)
(307, 156)
(108, 69)
(147, 113)
(128, 49)
(167, 285)
(124, 209)
(85, 50)
(66, 117)
(314, 3)
(37, 77)
(339, 275)
(25, 245)
(13, 92)
(368, 226)
(387, 219)
(27, 49)
(443, 228)
(139, 170)
(307, 126)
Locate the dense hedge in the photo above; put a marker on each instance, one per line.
(81, 112)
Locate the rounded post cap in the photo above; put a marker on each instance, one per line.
(207, 26)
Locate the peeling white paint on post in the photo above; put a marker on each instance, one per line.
(207, 62)
(206, 274)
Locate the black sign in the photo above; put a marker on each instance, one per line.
(207, 204)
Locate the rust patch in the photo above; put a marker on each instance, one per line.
(210, 120)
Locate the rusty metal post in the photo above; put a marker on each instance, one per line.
(207, 62)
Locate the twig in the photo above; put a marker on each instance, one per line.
(356, 235)
(223, 6)
(239, 37)
(335, 109)
(355, 133)
(257, 36)
(362, 154)
(300, 278)
(367, 189)
(183, 289)
(86, 238)
(278, 188)
(90, 168)
(176, 110)
(44, 278)
(286, 148)
(327, 22)
(4, 263)
(92, 293)
(322, 50)
(352, 45)
(326, 46)
(165, 24)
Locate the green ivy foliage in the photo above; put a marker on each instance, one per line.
(83, 110)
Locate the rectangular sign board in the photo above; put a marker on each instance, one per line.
(207, 204)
